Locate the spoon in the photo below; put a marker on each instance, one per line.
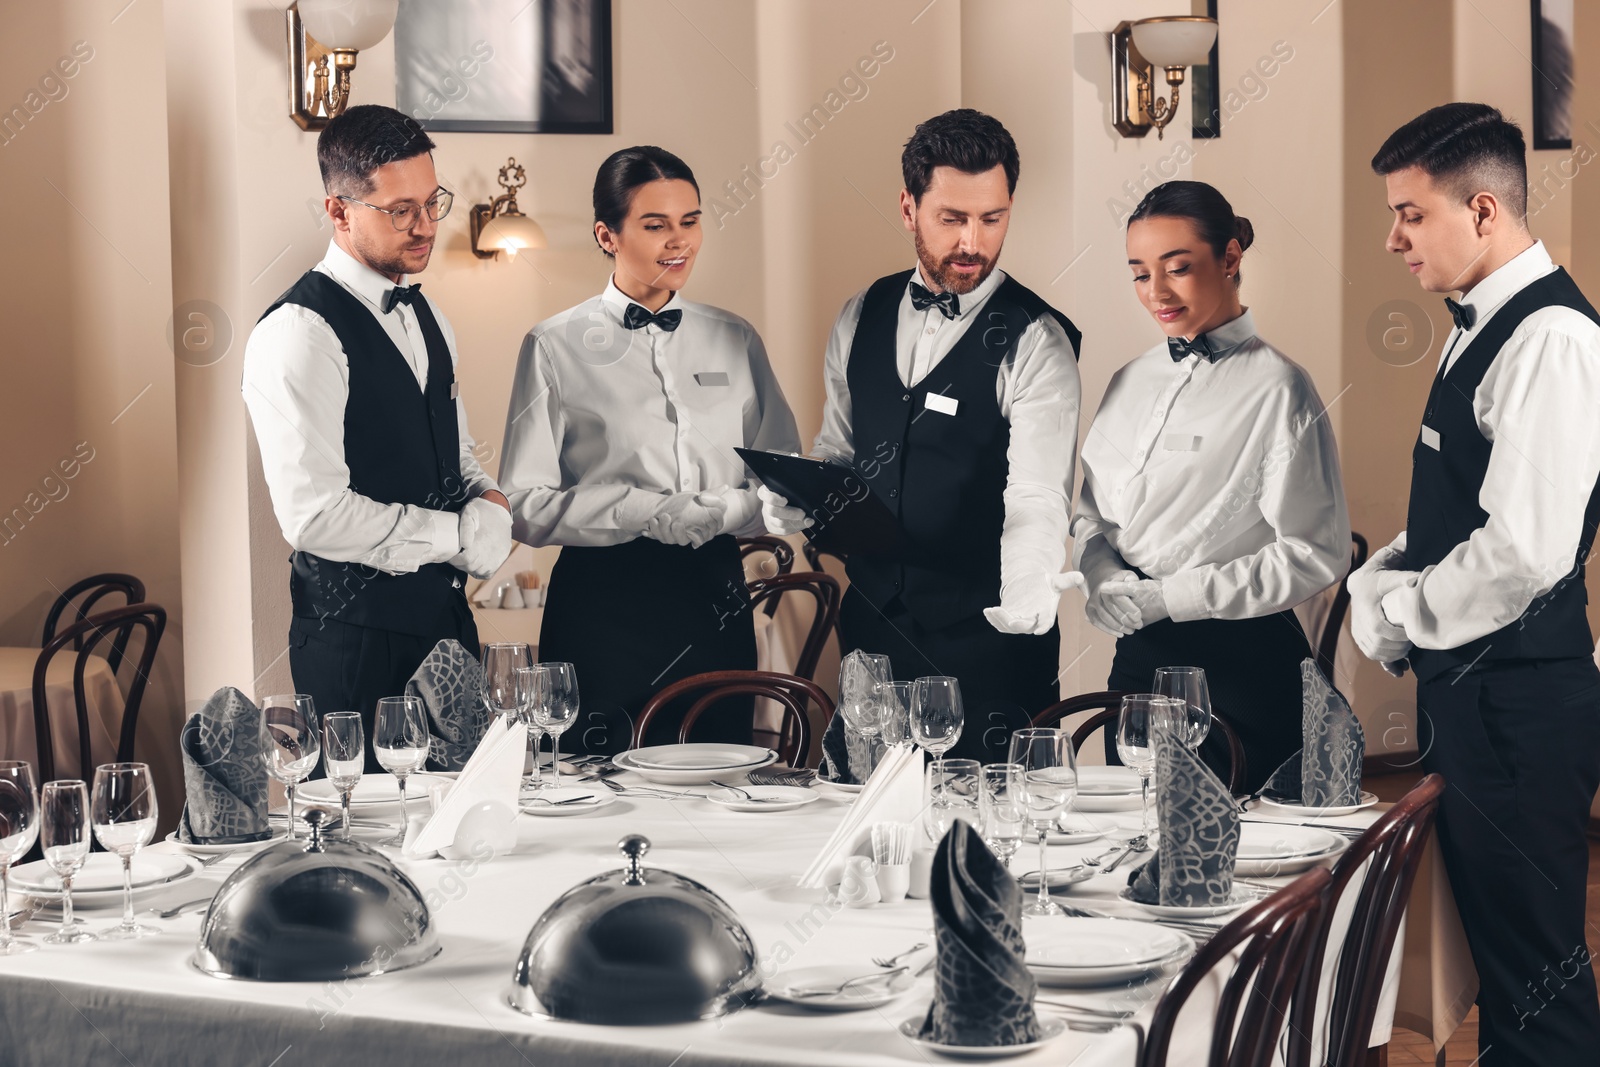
(1138, 844)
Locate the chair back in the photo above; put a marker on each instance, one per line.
(782, 561)
(1272, 939)
(93, 589)
(816, 559)
(790, 692)
(1110, 704)
(1389, 852)
(116, 627)
(1328, 643)
(824, 590)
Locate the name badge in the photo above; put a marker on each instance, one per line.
(1181, 442)
(944, 405)
(455, 389)
(1430, 437)
(711, 377)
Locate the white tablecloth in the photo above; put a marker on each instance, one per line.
(104, 699)
(141, 1002)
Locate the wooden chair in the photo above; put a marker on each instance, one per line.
(1110, 703)
(791, 692)
(782, 554)
(1273, 939)
(824, 590)
(817, 559)
(1389, 853)
(1328, 645)
(93, 589)
(84, 636)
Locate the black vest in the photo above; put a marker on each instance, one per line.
(943, 476)
(1445, 483)
(402, 446)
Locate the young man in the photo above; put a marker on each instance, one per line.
(1482, 594)
(954, 390)
(350, 381)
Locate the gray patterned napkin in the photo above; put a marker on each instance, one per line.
(1199, 822)
(848, 756)
(224, 776)
(1326, 772)
(449, 683)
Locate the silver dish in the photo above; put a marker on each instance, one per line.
(315, 911)
(626, 949)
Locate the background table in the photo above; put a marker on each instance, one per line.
(104, 699)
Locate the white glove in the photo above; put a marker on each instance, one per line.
(1115, 613)
(1377, 637)
(778, 516)
(1029, 606)
(687, 519)
(485, 529)
(1147, 597)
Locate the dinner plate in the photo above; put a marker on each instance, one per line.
(198, 849)
(844, 787)
(1272, 868)
(769, 798)
(696, 757)
(1058, 877)
(1117, 802)
(1260, 841)
(1302, 811)
(1107, 782)
(1074, 828)
(869, 994)
(1240, 896)
(1104, 977)
(700, 776)
(530, 805)
(1049, 1030)
(1072, 943)
(99, 880)
(373, 791)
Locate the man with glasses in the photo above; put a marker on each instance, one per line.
(350, 381)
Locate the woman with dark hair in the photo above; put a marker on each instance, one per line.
(619, 447)
(1211, 500)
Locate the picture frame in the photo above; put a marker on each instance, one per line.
(1552, 70)
(1205, 93)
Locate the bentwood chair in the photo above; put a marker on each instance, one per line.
(817, 559)
(1328, 645)
(1109, 703)
(1272, 940)
(1382, 866)
(824, 591)
(115, 627)
(790, 692)
(781, 561)
(93, 589)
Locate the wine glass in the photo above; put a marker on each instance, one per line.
(124, 818)
(1141, 715)
(952, 794)
(499, 686)
(344, 754)
(1003, 809)
(1188, 684)
(64, 836)
(936, 714)
(561, 704)
(895, 719)
(19, 827)
(1049, 782)
(400, 741)
(290, 742)
(532, 685)
(859, 703)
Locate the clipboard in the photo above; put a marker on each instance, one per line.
(846, 517)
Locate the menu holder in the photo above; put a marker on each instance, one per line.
(893, 793)
(493, 773)
(846, 517)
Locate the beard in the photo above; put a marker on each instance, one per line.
(379, 258)
(942, 272)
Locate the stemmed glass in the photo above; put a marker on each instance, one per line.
(1003, 809)
(952, 794)
(19, 827)
(531, 686)
(290, 742)
(344, 754)
(1141, 715)
(124, 818)
(894, 698)
(499, 689)
(936, 714)
(64, 835)
(1187, 684)
(1049, 782)
(560, 705)
(400, 742)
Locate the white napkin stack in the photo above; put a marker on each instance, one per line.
(894, 793)
(494, 773)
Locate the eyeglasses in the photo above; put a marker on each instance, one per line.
(404, 218)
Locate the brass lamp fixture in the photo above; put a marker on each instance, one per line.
(321, 31)
(1137, 48)
(498, 226)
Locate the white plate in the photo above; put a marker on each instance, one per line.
(1058, 878)
(1049, 1030)
(1107, 782)
(844, 787)
(791, 796)
(694, 777)
(1069, 943)
(99, 880)
(1241, 896)
(696, 757)
(871, 994)
(530, 805)
(1292, 865)
(1301, 811)
(1259, 841)
(373, 791)
(1103, 977)
(197, 849)
(1075, 828)
(1130, 802)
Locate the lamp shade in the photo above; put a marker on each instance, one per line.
(353, 24)
(1178, 41)
(511, 233)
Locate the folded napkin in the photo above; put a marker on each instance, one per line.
(983, 994)
(448, 682)
(224, 776)
(1326, 772)
(1199, 823)
(848, 755)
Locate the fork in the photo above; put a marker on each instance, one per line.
(178, 909)
(1138, 844)
(585, 799)
(746, 795)
(830, 991)
(890, 961)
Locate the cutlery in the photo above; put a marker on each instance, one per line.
(1138, 844)
(1338, 828)
(1186, 925)
(926, 967)
(890, 961)
(560, 803)
(1095, 861)
(178, 909)
(1102, 1013)
(1054, 870)
(746, 795)
(795, 777)
(830, 991)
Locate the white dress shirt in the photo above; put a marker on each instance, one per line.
(1537, 404)
(1038, 392)
(605, 423)
(1220, 479)
(296, 381)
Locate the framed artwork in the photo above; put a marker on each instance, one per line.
(1552, 73)
(505, 66)
(1205, 95)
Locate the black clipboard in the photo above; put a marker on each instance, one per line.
(846, 518)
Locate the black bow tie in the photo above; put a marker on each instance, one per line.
(400, 294)
(1464, 314)
(1180, 349)
(922, 299)
(637, 317)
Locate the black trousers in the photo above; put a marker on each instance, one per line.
(634, 618)
(349, 668)
(1519, 747)
(1252, 671)
(1006, 679)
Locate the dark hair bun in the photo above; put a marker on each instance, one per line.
(1243, 231)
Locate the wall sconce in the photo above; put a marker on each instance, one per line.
(324, 30)
(1137, 48)
(498, 226)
